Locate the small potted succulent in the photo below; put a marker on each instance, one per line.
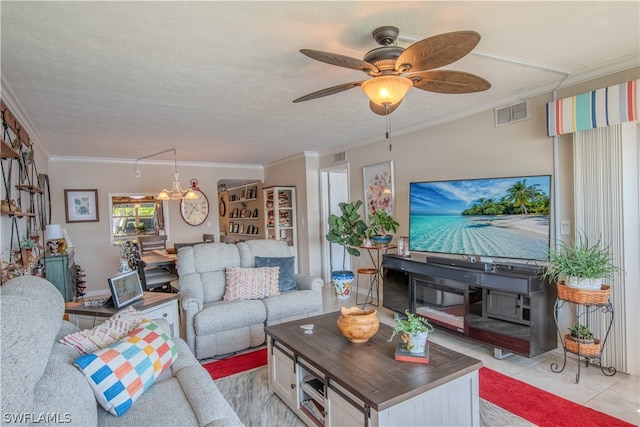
(581, 333)
(26, 248)
(415, 331)
(582, 265)
(381, 224)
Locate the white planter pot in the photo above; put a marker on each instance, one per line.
(590, 284)
(416, 343)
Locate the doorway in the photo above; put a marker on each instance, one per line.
(334, 187)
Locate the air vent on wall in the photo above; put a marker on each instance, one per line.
(339, 157)
(512, 113)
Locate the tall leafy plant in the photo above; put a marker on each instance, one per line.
(347, 229)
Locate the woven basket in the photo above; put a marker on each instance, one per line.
(583, 296)
(592, 350)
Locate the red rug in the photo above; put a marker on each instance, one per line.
(235, 364)
(538, 406)
(526, 401)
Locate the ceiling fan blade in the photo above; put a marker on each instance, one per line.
(328, 91)
(443, 81)
(437, 51)
(340, 60)
(378, 109)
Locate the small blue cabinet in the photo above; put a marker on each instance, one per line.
(59, 268)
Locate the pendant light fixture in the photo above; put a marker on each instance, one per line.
(176, 192)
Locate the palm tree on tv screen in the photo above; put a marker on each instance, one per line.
(521, 195)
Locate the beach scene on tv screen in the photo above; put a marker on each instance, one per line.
(496, 217)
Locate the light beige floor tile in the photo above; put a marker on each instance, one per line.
(611, 403)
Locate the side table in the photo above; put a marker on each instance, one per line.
(154, 305)
(376, 280)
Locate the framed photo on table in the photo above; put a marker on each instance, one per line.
(81, 205)
(379, 191)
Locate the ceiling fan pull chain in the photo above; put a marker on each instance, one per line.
(388, 117)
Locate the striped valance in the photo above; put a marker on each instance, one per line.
(603, 107)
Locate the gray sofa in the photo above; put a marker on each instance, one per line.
(40, 384)
(213, 326)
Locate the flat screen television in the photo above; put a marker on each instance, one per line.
(492, 217)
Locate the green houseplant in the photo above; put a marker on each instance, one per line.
(347, 230)
(381, 224)
(415, 331)
(582, 333)
(582, 265)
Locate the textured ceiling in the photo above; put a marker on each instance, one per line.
(216, 80)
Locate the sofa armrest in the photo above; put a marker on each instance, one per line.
(191, 305)
(311, 283)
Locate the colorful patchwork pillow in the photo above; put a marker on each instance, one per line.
(286, 280)
(251, 283)
(105, 334)
(120, 373)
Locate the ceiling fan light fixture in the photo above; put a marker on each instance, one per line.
(386, 90)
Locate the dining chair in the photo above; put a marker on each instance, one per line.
(155, 277)
(151, 243)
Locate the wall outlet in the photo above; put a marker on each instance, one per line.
(565, 227)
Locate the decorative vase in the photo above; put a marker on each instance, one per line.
(26, 256)
(358, 325)
(382, 240)
(342, 281)
(416, 343)
(124, 266)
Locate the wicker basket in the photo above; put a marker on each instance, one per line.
(591, 350)
(583, 296)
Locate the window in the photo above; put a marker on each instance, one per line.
(135, 215)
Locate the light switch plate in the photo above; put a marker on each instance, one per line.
(565, 227)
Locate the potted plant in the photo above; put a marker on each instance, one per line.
(581, 333)
(582, 265)
(26, 248)
(349, 231)
(415, 331)
(381, 224)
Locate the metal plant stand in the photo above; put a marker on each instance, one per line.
(590, 353)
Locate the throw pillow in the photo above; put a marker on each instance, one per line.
(251, 283)
(120, 373)
(286, 281)
(105, 334)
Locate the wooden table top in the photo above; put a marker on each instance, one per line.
(369, 370)
(150, 299)
(157, 257)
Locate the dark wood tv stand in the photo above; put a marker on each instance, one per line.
(507, 306)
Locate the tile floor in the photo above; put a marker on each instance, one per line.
(618, 395)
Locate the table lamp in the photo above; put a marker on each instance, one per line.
(55, 238)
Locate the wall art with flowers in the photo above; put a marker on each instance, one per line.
(379, 191)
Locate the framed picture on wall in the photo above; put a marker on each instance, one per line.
(81, 205)
(379, 191)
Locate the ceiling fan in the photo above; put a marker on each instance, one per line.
(394, 69)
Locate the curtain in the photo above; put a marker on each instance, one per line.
(598, 204)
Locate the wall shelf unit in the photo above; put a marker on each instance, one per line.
(280, 215)
(243, 216)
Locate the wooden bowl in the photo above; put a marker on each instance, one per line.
(358, 325)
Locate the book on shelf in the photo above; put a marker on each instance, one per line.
(403, 355)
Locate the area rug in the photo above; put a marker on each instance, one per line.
(538, 406)
(235, 364)
(504, 401)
